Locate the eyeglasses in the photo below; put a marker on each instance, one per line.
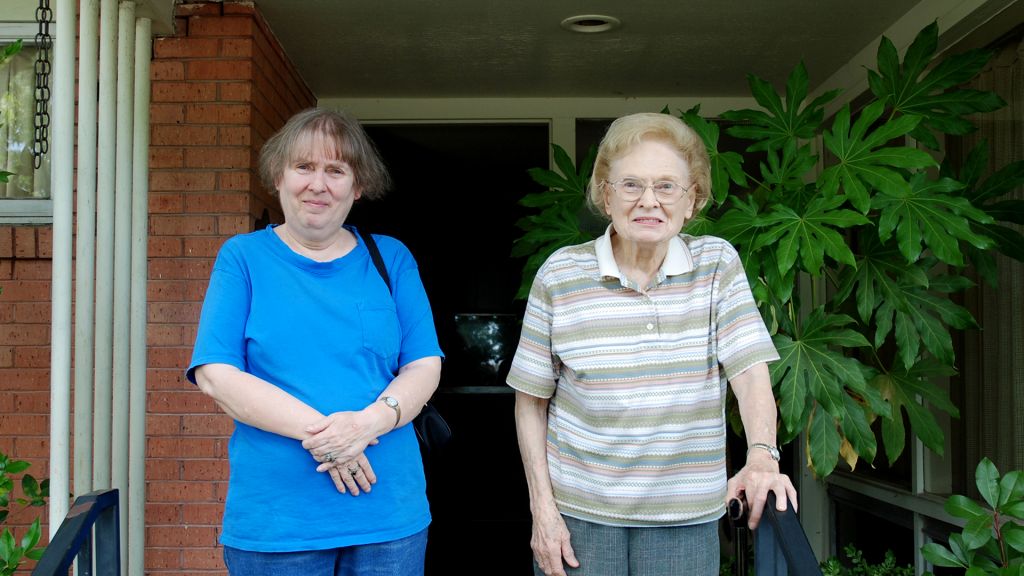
(665, 191)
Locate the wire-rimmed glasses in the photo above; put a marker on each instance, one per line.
(665, 191)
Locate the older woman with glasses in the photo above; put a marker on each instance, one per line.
(322, 367)
(628, 342)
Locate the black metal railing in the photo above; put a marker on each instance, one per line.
(780, 544)
(75, 538)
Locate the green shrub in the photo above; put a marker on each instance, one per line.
(861, 567)
(992, 542)
(12, 551)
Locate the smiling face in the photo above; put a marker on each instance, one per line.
(317, 189)
(647, 222)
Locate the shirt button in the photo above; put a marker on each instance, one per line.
(650, 326)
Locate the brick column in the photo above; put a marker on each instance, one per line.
(221, 87)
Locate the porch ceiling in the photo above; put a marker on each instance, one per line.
(516, 48)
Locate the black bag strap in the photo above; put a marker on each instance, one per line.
(378, 262)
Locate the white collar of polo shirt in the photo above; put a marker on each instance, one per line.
(678, 259)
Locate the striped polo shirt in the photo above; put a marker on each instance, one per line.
(637, 378)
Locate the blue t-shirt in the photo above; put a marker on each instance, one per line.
(330, 334)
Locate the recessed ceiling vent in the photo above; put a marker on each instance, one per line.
(591, 23)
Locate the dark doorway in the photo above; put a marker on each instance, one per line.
(455, 205)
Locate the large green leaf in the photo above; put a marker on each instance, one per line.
(559, 223)
(726, 167)
(782, 121)
(985, 196)
(865, 161)
(739, 224)
(811, 234)
(786, 172)
(928, 214)
(926, 320)
(879, 275)
(918, 89)
(902, 387)
(902, 296)
(812, 369)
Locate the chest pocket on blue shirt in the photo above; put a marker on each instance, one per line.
(381, 334)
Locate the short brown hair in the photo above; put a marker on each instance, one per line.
(336, 129)
(628, 131)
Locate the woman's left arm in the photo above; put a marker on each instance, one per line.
(337, 432)
(753, 389)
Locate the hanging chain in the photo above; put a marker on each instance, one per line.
(44, 43)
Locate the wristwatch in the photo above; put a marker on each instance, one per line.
(392, 403)
(772, 450)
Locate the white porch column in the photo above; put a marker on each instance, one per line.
(140, 276)
(61, 176)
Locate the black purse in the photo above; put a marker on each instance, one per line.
(431, 429)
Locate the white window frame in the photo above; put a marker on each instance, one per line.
(27, 210)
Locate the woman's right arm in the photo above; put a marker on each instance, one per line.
(550, 539)
(260, 404)
(255, 401)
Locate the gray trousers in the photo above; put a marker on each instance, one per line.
(617, 551)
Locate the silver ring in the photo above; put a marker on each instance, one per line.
(353, 471)
(329, 457)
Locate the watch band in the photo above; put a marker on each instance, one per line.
(392, 402)
(771, 450)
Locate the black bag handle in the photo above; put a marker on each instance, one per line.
(378, 262)
(431, 429)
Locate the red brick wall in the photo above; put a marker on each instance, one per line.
(220, 87)
(25, 254)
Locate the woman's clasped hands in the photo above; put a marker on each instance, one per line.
(338, 443)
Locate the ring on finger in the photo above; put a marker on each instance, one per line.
(353, 470)
(329, 457)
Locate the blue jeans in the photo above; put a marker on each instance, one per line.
(650, 551)
(402, 557)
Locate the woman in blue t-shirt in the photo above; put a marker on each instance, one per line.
(321, 367)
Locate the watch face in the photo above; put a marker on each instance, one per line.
(390, 401)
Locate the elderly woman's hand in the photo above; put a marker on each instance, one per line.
(550, 542)
(753, 482)
(339, 437)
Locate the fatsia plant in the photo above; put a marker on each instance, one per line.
(878, 240)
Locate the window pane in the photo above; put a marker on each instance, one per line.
(17, 129)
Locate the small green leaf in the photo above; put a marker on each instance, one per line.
(977, 532)
(1015, 509)
(1013, 534)
(1011, 487)
(963, 507)
(941, 556)
(31, 537)
(17, 466)
(986, 475)
(7, 546)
